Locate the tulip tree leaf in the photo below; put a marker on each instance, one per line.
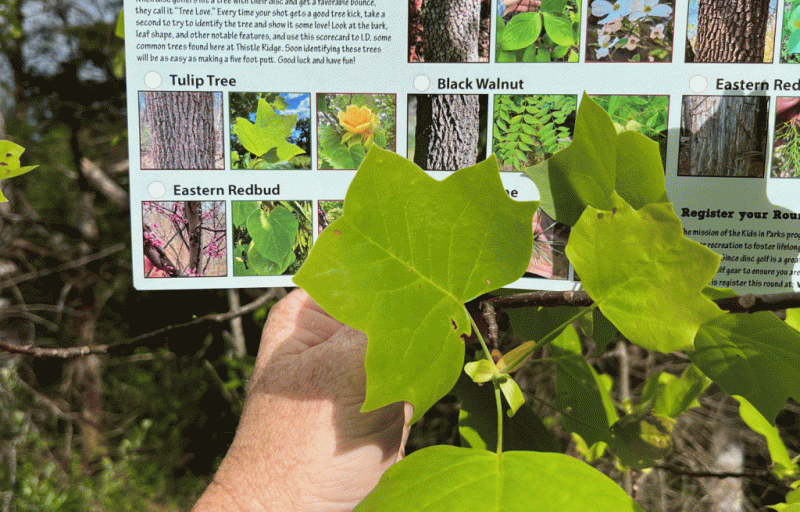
(9, 162)
(640, 172)
(268, 133)
(597, 163)
(755, 356)
(446, 478)
(404, 257)
(650, 291)
(584, 172)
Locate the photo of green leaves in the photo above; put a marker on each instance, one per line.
(327, 212)
(643, 114)
(538, 30)
(270, 131)
(790, 35)
(786, 146)
(270, 238)
(527, 129)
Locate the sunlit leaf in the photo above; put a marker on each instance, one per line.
(782, 463)
(671, 396)
(596, 164)
(447, 478)
(650, 291)
(640, 172)
(406, 254)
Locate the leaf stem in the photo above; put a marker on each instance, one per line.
(497, 398)
(551, 336)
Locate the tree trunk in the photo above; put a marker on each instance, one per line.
(182, 131)
(447, 132)
(731, 30)
(194, 224)
(724, 136)
(451, 30)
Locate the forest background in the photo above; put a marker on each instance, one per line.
(142, 422)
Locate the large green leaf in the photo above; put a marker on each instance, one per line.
(406, 254)
(447, 478)
(268, 133)
(273, 232)
(9, 162)
(756, 356)
(647, 276)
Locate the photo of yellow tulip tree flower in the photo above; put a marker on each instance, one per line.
(348, 124)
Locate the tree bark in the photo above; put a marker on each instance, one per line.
(724, 136)
(451, 30)
(731, 31)
(447, 132)
(182, 129)
(194, 224)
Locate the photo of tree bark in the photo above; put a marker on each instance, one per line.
(184, 238)
(448, 30)
(181, 130)
(728, 31)
(723, 136)
(447, 132)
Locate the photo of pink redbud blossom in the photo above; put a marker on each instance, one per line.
(184, 238)
(630, 31)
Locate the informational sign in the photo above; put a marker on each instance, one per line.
(248, 119)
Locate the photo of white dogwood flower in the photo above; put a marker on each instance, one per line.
(611, 11)
(630, 31)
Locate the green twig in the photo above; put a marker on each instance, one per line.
(497, 398)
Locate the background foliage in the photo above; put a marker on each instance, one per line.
(145, 427)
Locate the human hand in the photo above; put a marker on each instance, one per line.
(302, 443)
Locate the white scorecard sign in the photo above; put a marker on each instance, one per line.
(248, 119)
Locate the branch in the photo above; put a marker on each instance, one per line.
(80, 262)
(105, 185)
(714, 474)
(743, 304)
(133, 343)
